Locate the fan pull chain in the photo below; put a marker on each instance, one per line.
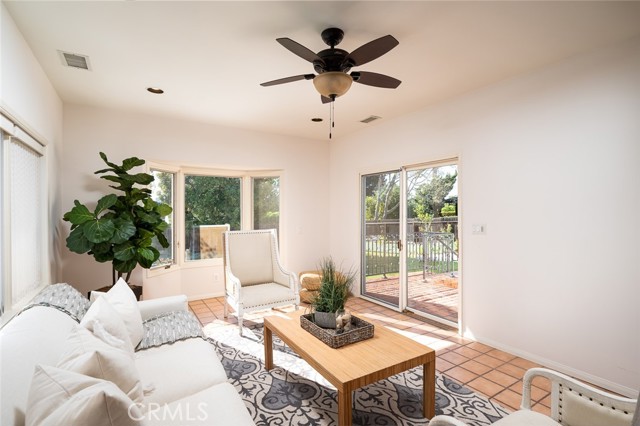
(332, 115)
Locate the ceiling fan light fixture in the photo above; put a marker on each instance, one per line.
(332, 84)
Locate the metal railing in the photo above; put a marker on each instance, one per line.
(429, 252)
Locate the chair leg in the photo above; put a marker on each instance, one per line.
(240, 323)
(226, 308)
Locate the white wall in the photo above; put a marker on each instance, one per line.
(27, 94)
(305, 188)
(549, 163)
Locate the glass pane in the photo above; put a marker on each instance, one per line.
(209, 200)
(162, 189)
(432, 241)
(381, 229)
(25, 192)
(266, 203)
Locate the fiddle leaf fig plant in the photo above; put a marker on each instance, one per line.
(122, 227)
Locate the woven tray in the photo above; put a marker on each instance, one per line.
(360, 330)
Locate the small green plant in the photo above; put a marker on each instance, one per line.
(335, 287)
(121, 228)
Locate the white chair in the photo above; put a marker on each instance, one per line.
(255, 279)
(573, 403)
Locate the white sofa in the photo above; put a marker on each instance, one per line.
(190, 384)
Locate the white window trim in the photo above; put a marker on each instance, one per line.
(246, 208)
(12, 129)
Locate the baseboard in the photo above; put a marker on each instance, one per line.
(553, 365)
(204, 296)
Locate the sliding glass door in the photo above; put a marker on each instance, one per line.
(381, 241)
(410, 239)
(432, 242)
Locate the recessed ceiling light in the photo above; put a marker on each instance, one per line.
(316, 119)
(155, 90)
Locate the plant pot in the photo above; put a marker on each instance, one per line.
(325, 319)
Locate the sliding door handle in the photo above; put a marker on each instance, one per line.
(399, 245)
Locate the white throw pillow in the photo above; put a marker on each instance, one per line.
(105, 323)
(124, 302)
(86, 354)
(60, 397)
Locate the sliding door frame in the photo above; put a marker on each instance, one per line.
(403, 284)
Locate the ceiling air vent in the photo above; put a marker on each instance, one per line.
(74, 60)
(370, 119)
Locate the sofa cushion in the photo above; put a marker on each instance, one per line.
(101, 312)
(35, 336)
(216, 405)
(125, 303)
(179, 369)
(526, 418)
(61, 397)
(88, 355)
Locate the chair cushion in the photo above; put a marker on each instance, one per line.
(266, 295)
(580, 411)
(526, 418)
(251, 257)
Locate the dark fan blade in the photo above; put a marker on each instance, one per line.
(325, 100)
(375, 79)
(299, 49)
(288, 79)
(372, 50)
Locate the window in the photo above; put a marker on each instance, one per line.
(209, 201)
(162, 191)
(266, 203)
(206, 203)
(23, 263)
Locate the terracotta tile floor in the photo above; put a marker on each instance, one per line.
(486, 370)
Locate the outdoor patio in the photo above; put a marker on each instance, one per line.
(436, 295)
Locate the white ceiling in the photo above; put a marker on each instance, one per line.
(210, 57)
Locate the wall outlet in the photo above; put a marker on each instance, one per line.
(478, 229)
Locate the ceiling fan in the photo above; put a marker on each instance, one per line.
(333, 65)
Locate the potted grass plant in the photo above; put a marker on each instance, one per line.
(335, 289)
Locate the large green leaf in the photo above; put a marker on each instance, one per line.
(79, 214)
(101, 248)
(103, 257)
(124, 229)
(146, 256)
(105, 202)
(106, 161)
(99, 230)
(124, 265)
(77, 242)
(130, 163)
(142, 178)
(163, 209)
(161, 227)
(162, 240)
(124, 251)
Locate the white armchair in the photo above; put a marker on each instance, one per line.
(255, 279)
(573, 403)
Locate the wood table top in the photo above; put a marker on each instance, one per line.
(357, 364)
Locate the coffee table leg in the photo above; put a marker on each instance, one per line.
(429, 389)
(344, 408)
(268, 349)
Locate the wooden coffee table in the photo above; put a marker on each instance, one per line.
(358, 364)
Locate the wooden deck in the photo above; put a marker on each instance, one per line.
(436, 295)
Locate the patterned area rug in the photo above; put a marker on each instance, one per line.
(293, 393)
